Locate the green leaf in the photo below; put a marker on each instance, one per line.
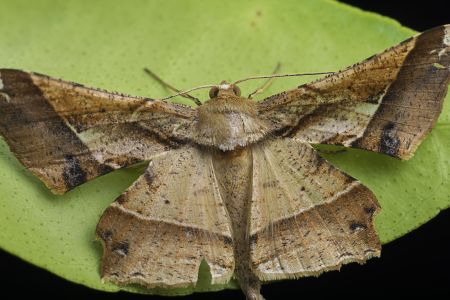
(106, 44)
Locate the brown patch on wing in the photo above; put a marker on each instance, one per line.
(170, 220)
(307, 217)
(40, 138)
(400, 90)
(413, 102)
(67, 134)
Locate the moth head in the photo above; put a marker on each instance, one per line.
(225, 89)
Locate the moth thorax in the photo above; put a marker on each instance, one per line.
(228, 123)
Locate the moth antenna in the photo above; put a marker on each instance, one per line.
(282, 75)
(171, 87)
(181, 93)
(266, 83)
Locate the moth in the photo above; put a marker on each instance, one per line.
(232, 182)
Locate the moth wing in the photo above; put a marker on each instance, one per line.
(158, 232)
(306, 216)
(67, 134)
(388, 103)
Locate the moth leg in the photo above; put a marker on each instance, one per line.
(171, 87)
(266, 84)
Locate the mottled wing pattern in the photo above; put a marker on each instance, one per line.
(388, 103)
(173, 217)
(67, 134)
(306, 216)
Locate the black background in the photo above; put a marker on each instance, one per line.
(417, 263)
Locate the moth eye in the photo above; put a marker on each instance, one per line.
(213, 92)
(236, 90)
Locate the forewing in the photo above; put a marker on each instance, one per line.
(388, 103)
(158, 232)
(67, 134)
(307, 217)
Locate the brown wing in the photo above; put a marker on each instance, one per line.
(158, 232)
(387, 103)
(306, 216)
(67, 134)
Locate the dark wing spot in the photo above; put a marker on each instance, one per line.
(121, 248)
(389, 142)
(356, 226)
(346, 254)
(73, 174)
(137, 274)
(253, 238)
(227, 240)
(369, 210)
(106, 235)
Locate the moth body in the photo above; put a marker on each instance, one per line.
(228, 121)
(233, 170)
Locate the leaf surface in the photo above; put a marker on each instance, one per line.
(106, 44)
